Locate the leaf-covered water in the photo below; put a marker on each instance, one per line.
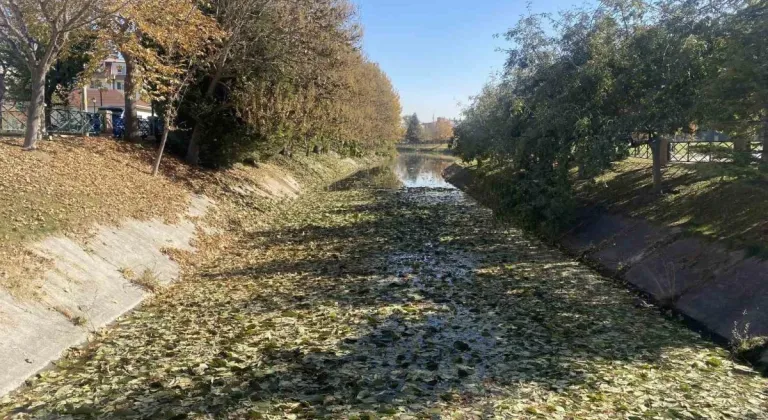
(369, 302)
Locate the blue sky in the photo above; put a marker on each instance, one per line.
(438, 53)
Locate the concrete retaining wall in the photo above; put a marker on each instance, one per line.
(90, 283)
(86, 289)
(718, 288)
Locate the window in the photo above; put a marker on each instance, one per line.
(120, 69)
(119, 85)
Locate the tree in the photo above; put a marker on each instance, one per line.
(577, 88)
(665, 69)
(428, 132)
(414, 131)
(444, 129)
(65, 73)
(4, 70)
(37, 32)
(241, 21)
(136, 32)
(294, 79)
(736, 95)
(173, 46)
(12, 76)
(63, 76)
(275, 83)
(122, 31)
(370, 117)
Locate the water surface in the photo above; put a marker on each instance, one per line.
(418, 170)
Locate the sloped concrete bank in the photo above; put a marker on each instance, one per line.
(722, 290)
(91, 283)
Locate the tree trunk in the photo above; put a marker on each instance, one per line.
(46, 121)
(52, 78)
(655, 143)
(35, 109)
(193, 150)
(2, 97)
(159, 157)
(741, 150)
(764, 155)
(130, 117)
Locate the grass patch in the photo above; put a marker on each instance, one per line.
(76, 320)
(148, 280)
(721, 201)
(377, 177)
(440, 148)
(126, 272)
(750, 349)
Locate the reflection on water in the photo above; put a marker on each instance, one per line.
(422, 170)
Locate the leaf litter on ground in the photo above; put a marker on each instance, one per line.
(70, 185)
(371, 302)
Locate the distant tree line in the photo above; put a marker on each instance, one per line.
(439, 131)
(233, 79)
(580, 87)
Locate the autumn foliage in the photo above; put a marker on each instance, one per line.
(242, 78)
(303, 87)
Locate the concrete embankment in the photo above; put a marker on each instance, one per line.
(722, 290)
(89, 283)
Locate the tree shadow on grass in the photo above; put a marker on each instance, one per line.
(399, 301)
(722, 201)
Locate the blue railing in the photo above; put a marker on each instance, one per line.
(147, 128)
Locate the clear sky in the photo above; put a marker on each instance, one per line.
(440, 52)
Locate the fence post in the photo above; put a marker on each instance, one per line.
(153, 127)
(665, 150)
(84, 104)
(2, 97)
(106, 117)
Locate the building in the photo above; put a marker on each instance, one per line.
(105, 98)
(110, 75)
(107, 90)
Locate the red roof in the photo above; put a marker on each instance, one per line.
(104, 98)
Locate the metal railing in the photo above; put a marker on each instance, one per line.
(147, 128)
(641, 151)
(13, 117)
(144, 128)
(71, 121)
(701, 151)
(13, 121)
(698, 151)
